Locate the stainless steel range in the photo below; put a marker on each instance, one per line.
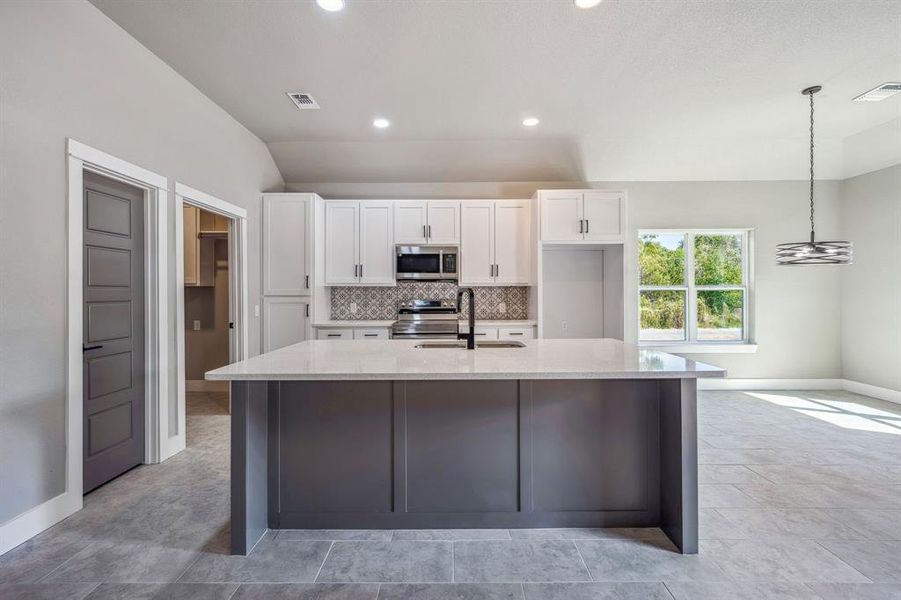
(426, 320)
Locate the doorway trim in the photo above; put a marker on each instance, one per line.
(237, 295)
(80, 157)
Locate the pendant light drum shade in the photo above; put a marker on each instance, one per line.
(813, 252)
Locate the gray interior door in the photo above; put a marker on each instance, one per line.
(113, 342)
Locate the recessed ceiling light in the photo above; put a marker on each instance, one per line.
(530, 122)
(331, 5)
(586, 3)
(381, 123)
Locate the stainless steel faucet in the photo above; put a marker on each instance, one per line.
(471, 336)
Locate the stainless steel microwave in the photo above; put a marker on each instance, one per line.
(427, 263)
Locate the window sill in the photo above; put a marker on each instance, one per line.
(702, 348)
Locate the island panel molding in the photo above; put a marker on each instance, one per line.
(464, 454)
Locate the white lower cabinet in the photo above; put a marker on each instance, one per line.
(353, 333)
(335, 334)
(516, 333)
(371, 333)
(285, 321)
(491, 332)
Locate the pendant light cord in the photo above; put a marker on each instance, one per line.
(811, 168)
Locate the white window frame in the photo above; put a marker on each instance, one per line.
(691, 344)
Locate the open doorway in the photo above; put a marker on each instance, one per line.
(211, 306)
(206, 290)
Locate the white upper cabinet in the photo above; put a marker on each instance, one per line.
(427, 222)
(604, 214)
(287, 243)
(444, 222)
(410, 221)
(342, 226)
(359, 242)
(561, 216)
(477, 243)
(376, 243)
(496, 242)
(512, 242)
(582, 215)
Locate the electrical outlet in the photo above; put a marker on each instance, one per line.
(196, 324)
(564, 325)
(502, 308)
(256, 310)
(353, 307)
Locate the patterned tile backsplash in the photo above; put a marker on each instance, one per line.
(380, 303)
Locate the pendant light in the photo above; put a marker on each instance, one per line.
(813, 252)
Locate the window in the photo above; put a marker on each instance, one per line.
(693, 286)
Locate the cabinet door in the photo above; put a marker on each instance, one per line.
(284, 322)
(444, 222)
(512, 242)
(342, 224)
(561, 213)
(410, 222)
(476, 243)
(191, 244)
(376, 242)
(604, 214)
(286, 255)
(335, 334)
(371, 333)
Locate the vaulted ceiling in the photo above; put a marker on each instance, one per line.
(629, 90)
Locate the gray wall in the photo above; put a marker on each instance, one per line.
(871, 287)
(66, 70)
(797, 310)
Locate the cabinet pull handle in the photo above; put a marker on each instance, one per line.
(581, 226)
(514, 333)
(361, 271)
(497, 270)
(356, 270)
(86, 348)
(423, 232)
(370, 335)
(333, 335)
(306, 281)
(586, 225)
(430, 232)
(307, 310)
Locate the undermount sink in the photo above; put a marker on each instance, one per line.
(483, 344)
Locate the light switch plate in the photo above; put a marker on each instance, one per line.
(196, 324)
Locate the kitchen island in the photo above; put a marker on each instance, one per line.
(385, 434)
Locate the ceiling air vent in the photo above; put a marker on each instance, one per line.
(303, 101)
(880, 93)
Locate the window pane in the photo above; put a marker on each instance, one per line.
(661, 259)
(718, 259)
(662, 315)
(720, 315)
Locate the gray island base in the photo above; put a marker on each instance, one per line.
(611, 447)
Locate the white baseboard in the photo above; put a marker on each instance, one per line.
(874, 391)
(856, 387)
(202, 385)
(27, 525)
(769, 384)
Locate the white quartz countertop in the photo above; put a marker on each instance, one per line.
(399, 359)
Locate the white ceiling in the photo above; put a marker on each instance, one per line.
(630, 90)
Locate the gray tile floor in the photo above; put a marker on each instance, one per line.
(801, 497)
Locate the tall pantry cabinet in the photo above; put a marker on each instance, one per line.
(287, 252)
